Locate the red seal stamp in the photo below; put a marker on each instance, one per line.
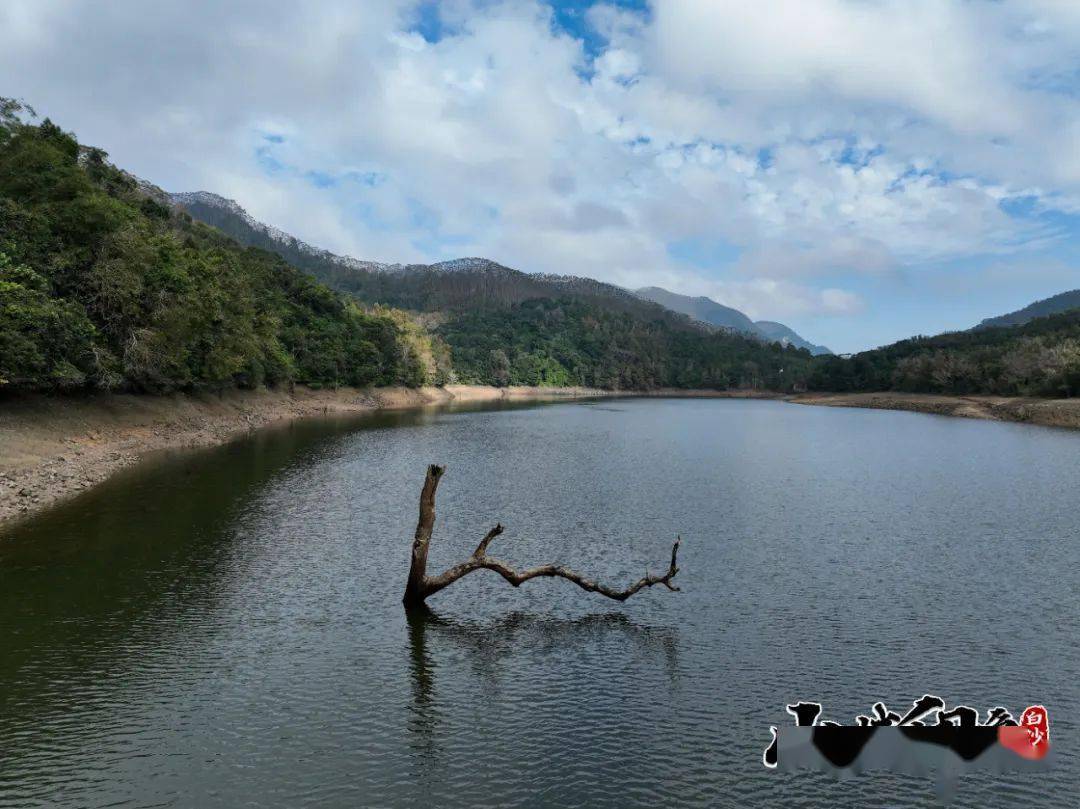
(1031, 737)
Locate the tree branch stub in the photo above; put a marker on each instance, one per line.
(419, 586)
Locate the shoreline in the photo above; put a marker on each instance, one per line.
(54, 447)
(1043, 412)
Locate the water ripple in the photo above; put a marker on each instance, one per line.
(224, 628)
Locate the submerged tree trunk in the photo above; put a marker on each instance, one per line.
(420, 585)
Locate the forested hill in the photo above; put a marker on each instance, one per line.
(104, 284)
(504, 326)
(701, 308)
(1053, 305)
(461, 284)
(102, 287)
(1039, 358)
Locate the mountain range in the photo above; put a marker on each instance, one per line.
(463, 283)
(510, 327)
(110, 283)
(709, 311)
(467, 282)
(1033, 351)
(455, 285)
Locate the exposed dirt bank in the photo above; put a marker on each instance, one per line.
(53, 447)
(1048, 412)
(691, 393)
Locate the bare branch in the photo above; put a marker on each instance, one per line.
(481, 549)
(420, 586)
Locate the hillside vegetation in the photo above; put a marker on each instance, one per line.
(449, 286)
(103, 287)
(577, 342)
(1039, 358)
(106, 284)
(1056, 304)
(506, 327)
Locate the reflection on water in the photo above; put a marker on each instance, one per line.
(491, 647)
(224, 628)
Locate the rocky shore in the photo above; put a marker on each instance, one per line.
(54, 447)
(1046, 412)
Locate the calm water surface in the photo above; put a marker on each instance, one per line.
(224, 628)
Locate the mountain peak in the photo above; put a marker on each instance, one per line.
(229, 216)
(779, 333)
(470, 264)
(716, 314)
(206, 198)
(479, 278)
(1053, 305)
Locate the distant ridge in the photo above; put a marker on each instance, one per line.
(1053, 305)
(498, 325)
(229, 216)
(704, 309)
(716, 314)
(780, 333)
(458, 284)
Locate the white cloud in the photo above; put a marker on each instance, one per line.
(825, 142)
(769, 299)
(925, 56)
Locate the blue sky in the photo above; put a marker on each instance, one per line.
(861, 170)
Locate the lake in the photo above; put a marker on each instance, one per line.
(223, 627)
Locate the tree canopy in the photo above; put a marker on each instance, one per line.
(1039, 358)
(102, 286)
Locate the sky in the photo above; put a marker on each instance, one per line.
(861, 170)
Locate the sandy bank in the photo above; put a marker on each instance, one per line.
(1048, 412)
(53, 447)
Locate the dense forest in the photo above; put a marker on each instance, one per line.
(106, 284)
(506, 327)
(463, 284)
(577, 342)
(102, 287)
(1038, 358)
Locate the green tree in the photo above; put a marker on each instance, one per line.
(106, 286)
(41, 338)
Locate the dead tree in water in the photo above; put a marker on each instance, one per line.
(420, 586)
